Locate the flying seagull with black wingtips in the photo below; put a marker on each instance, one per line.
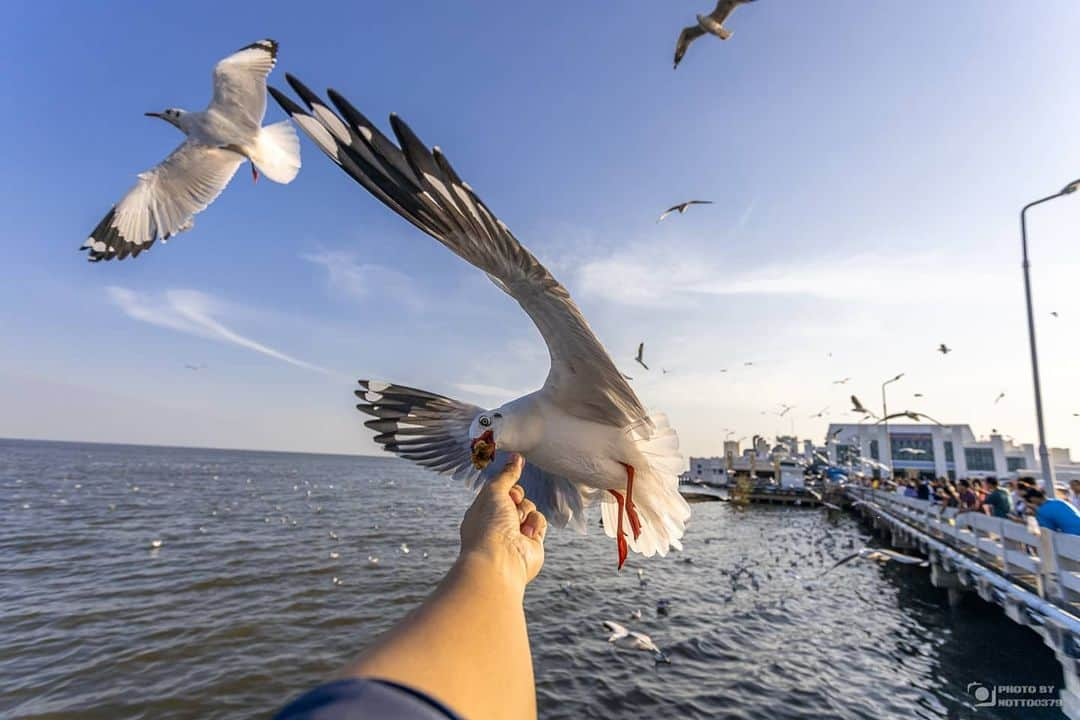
(944, 349)
(166, 198)
(882, 555)
(640, 355)
(586, 436)
(999, 398)
(858, 407)
(682, 207)
(711, 24)
(845, 381)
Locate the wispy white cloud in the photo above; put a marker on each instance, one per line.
(193, 312)
(363, 281)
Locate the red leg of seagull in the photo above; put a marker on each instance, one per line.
(254, 174)
(620, 536)
(631, 509)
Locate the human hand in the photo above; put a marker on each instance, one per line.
(504, 527)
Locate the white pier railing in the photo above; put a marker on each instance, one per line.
(1032, 573)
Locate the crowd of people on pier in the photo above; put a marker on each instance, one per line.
(1011, 499)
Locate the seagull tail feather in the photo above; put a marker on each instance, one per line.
(277, 152)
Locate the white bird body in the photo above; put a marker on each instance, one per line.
(711, 24)
(630, 639)
(585, 435)
(165, 198)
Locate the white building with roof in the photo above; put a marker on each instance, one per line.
(932, 450)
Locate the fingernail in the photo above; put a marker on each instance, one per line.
(528, 531)
(516, 459)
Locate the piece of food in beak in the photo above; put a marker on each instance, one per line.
(483, 450)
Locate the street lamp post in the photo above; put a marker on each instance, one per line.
(885, 415)
(1044, 454)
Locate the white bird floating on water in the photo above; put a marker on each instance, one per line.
(623, 637)
(166, 198)
(372, 560)
(881, 555)
(712, 24)
(405, 548)
(334, 555)
(586, 436)
(156, 544)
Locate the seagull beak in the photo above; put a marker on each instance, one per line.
(152, 114)
(483, 450)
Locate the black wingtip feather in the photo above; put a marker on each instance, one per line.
(285, 102)
(303, 91)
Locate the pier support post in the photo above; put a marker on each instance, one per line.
(950, 581)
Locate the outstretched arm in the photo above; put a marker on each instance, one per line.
(467, 644)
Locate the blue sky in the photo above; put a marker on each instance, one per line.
(867, 161)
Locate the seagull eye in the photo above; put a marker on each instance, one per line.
(485, 421)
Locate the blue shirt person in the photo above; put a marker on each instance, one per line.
(1056, 515)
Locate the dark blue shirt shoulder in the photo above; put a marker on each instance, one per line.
(361, 699)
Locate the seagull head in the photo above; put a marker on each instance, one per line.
(169, 115)
(484, 432)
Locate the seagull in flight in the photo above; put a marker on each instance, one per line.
(784, 409)
(712, 24)
(586, 436)
(640, 355)
(859, 408)
(200, 366)
(944, 349)
(820, 413)
(681, 208)
(911, 451)
(1054, 313)
(999, 398)
(845, 381)
(165, 198)
(881, 555)
(623, 637)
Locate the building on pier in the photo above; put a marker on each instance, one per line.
(931, 450)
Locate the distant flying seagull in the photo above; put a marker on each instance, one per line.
(918, 395)
(200, 366)
(820, 413)
(640, 354)
(1054, 313)
(712, 24)
(845, 381)
(999, 398)
(785, 409)
(881, 555)
(586, 436)
(944, 349)
(748, 364)
(165, 199)
(858, 407)
(911, 451)
(681, 207)
(625, 638)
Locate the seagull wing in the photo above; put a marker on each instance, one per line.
(421, 186)
(163, 201)
(429, 429)
(617, 630)
(699, 202)
(240, 84)
(900, 557)
(643, 641)
(687, 36)
(723, 9)
(844, 560)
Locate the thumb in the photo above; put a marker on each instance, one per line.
(509, 475)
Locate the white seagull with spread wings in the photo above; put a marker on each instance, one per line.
(166, 198)
(711, 24)
(585, 434)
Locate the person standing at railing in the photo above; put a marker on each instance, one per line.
(997, 502)
(1056, 515)
(969, 501)
(1074, 493)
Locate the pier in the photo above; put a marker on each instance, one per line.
(1033, 575)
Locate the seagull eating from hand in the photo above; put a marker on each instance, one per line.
(640, 359)
(165, 199)
(681, 208)
(586, 435)
(711, 24)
